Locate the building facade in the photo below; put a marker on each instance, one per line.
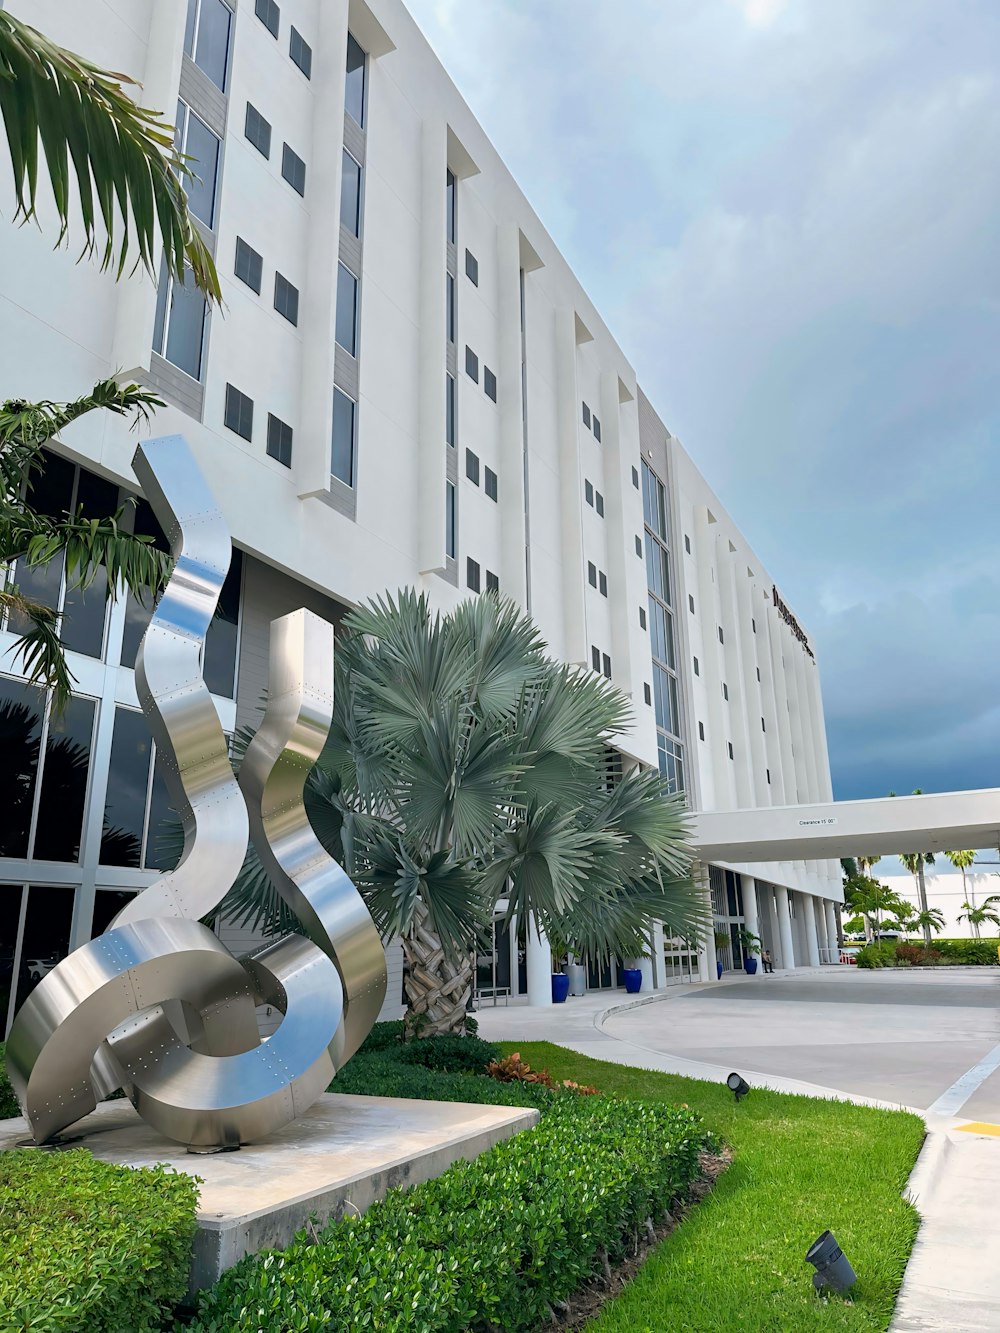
(406, 386)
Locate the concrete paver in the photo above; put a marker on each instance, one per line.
(882, 1038)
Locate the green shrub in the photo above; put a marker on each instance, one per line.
(382, 1074)
(977, 952)
(8, 1102)
(882, 954)
(88, 1246)
(491, 1243)
(383, 1036)
(450, 1054)
(916, 955)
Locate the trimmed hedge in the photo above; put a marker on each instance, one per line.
(490, 1244)
(91, 1246)
(382, 1075)
(942, 953)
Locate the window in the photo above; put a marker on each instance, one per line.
(592, 573)
(691, 603)
(286, 299)
(293, 169)
(451, 205)
(758, 674)
(697, 667)
(753, 625)
(492, 582)
(635, 478)
(451, 315)
(654, 507)
(279, 440)
(665, 700)
(269, 14)
(599, 502)
(489, 383)
(606, 661)
(729, 745)
(588, 492)
(597, 428)
(638, 546)
(350, 194)
(491, 483)
(300, 52)
(602, 579)
(472, 573)
(647, 693)
(258, 130)
(722, 637)
(354, 91)
(347, 310)
(658, 569)
(701, 731)
(762, 726)
(344, 434)
(768, 771)
(206, 38)
(179, 326)
(661, 632)
(725, 691)
(595, 657)
(450, 520)
(642, 617)
(471, 364)
(249, 265)
(586, 416)
(449, 408)
(472, 268)
(239, 412)
(197, 142)
(687, 543)
(472, 466)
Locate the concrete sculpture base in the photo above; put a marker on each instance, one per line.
(340, 1155)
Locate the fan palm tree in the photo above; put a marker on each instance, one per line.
(465, 769)
(115, 166)
(962, 860)
(977, 917)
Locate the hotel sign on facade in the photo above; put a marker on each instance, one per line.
(791, 622)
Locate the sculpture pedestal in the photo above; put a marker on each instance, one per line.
(341, 1155)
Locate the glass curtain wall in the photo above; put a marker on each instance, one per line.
(86, 817)
(666, 695)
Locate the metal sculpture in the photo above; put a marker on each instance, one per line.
(157, 1005)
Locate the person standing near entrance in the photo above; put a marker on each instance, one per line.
(765, 958)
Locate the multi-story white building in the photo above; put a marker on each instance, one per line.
(407, 386)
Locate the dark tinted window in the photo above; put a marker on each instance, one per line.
(451, 315)
(450, 520)
(472, 574)
(450, 205)
(47, 925)
(472, 466)
(279, 440)
(490, 483)
(203, 148)
(344, 430)
(239, 412)
(492, 582)
(449, 408)
(249, 265)
(219, 667)
(350, 194)
(269, 14)
(128, 779)
(258, 130)
(64, 782)
(137, 613)
(472, 267)
(293, 169)
(471, 364)
(346, 328)
(354, 91)
(84, 611)
(20, 741)
(286, 299)
(301, 53)
(489, 383)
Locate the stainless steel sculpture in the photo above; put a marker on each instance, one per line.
(157, 1005)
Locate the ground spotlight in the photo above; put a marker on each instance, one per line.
(738, 1085)
(833, 1268)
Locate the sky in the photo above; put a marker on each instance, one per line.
(788, 213)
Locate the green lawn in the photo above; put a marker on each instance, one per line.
(800, 1165)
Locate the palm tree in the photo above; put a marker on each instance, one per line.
(127, 169)
(915, 862)
(129, 192)
(978, 916)
(963, 860)
(931, 919)
(465, 769)
(872, 900)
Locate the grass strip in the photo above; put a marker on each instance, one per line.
(800, 1165)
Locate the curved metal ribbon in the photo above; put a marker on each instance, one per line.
(158, 1005)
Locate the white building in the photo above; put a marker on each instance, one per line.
(408, 385)
(948, 893)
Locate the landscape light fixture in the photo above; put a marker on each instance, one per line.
(738, 1084)
(833, 1268)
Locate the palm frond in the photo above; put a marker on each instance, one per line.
(128, 172)
(38, 650)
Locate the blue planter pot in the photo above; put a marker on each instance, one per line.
(560, 987)
(750, 966)
(718, 969)
(633, 980)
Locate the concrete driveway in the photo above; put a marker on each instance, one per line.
(904, 1037)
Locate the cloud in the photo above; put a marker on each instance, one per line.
(787, 212)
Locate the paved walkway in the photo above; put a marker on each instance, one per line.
(926, 1041)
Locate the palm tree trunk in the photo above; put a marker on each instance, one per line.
(922, 893)
(437, 988)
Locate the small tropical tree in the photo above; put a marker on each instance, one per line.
(977, 917)
(872, 901)
(930, 919)
(962, 861)
(129, 198)
(466, 770)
